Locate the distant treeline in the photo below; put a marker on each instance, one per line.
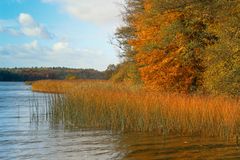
(31, 74)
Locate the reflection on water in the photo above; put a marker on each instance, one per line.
(23, 137)
(146, 146)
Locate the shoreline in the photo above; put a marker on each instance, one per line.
(117, 107)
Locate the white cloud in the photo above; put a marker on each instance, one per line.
(59, 46)
(7, 26)
(96, 11)
(10, 31)
(26, 26)
(13, 32)
(26, 20)
(59, 54)
(32, 45)
(30, 27)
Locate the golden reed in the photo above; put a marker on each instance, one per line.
(105, 105)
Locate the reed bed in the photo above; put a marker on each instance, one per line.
(119, 107)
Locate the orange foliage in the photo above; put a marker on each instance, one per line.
(158, 65)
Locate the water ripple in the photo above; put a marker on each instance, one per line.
(21, 138)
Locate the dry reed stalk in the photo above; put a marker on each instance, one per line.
(102, 104)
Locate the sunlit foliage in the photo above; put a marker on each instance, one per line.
(174, 44)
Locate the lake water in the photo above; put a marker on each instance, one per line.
(23, 137)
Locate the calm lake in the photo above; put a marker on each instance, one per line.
(24, 136)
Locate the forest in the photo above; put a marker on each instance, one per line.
(189, 46)
(32, 74)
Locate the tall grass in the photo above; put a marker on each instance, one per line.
(100, 104)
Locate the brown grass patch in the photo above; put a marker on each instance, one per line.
(102, 104)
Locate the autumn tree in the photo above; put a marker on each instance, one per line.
(170, 40)
(127, 31)
(127, 71)
(183, 46)
(222, 73)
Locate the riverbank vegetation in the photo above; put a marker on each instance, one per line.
(180, 73)
(120, 107)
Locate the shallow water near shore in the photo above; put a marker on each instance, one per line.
(24, 135)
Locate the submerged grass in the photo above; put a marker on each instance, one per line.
(102, 104)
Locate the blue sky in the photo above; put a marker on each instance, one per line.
(69, 33)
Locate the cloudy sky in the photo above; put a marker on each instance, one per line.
(69, 33)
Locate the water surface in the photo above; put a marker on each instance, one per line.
(24, 136)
